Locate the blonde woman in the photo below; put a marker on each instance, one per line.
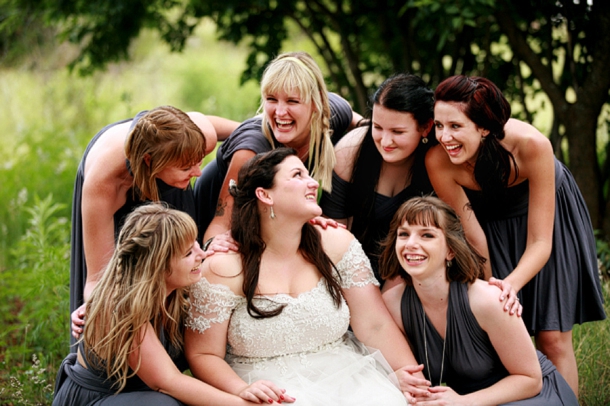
(131, 351)
(297, 112)
(152, 157)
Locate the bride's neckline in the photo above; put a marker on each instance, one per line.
(293, 296)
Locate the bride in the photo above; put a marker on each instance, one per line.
(276, 314)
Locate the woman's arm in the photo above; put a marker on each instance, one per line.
(345, 152)
(373, 325)
(207, 328)
(157, 370)
(98, 205)
(369, 317)
(224, 127)
(205, 353)
(214, 128)
(443, 176)
(391, 293)
(356, 121)
(222, 219)
(105, 187)
(536, 161)
(513, 345)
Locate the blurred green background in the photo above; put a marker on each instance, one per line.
(48, 116)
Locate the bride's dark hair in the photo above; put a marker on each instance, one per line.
(245, 228)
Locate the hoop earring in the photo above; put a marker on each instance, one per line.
(424, 140)
(272, 215)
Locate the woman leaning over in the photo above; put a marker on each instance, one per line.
(152, 157)
(279, 309)
(297, 112)
(452, 318)
(521, 209)
(131, 350)
(382, 165)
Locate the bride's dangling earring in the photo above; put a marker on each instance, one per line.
(272, 215)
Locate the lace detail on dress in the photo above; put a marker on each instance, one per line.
(210, 303)
(307, 322)
(355, 267)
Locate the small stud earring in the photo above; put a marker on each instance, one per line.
(272, 216)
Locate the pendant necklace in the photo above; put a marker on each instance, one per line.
(440, 381)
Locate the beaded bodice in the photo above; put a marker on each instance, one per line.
(308, 322)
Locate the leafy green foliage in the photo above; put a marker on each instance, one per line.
(35, 295)
(49, 116)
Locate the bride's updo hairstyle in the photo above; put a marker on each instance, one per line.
(260, 171)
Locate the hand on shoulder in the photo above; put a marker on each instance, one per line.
(346, 150)
(485, 303)
(335, 241)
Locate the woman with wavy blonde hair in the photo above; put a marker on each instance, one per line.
(132, 344)
(296, 111)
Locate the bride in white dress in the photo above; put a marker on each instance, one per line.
(276, 315)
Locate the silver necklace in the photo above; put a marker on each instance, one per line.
(440, 381)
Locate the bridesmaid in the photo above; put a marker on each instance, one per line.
(452, 318)
(521, 209)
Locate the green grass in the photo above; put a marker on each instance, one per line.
(47, 119)
(592, 349)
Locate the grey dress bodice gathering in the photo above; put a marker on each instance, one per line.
(470, 360)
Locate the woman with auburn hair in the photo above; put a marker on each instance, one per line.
(521, 209)
(131, 350)
(452, 318)
(297, 112)
(152, 157)
(279, 309)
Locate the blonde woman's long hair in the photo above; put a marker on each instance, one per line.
(132, 290)
(168, 137)
(298, 71)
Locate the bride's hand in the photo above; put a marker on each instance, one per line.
(265, 392)
(412, 386)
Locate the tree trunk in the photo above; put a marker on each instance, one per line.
(580, 128)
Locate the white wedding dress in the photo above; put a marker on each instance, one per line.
(307, 348)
